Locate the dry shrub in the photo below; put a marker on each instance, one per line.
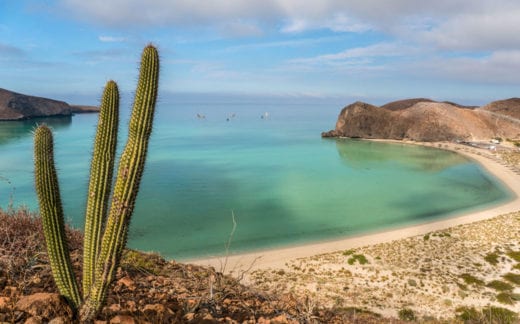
(22, 245)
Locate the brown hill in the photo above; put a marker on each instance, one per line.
(404, 104)
(17, 106)
(509, 107)
(422, 121)
(407, 103)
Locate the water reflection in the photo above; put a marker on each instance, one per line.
(15, 130)
(359, 154)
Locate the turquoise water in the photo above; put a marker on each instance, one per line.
(284, 184)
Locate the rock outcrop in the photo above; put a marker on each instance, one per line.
(16, 106)
(426, 120)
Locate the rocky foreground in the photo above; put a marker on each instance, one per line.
(148, 289)
(16, 106)
(425, 120)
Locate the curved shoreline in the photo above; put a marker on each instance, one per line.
(278, 257)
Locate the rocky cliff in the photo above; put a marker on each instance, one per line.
(16, 106)
(427, 120)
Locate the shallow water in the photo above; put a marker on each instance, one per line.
(283, 183)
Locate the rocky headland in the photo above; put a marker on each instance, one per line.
(426, 120)
(17, 106)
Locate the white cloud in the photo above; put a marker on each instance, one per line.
(338, 23)
(111, 39)
(359, 54)
(500, 67)
(240, 29)
(447, 23)
(498, 29)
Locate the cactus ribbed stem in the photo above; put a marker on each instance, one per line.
(130, 169)
(101, 172)
(51, 211)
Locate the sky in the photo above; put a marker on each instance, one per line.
(466, 51)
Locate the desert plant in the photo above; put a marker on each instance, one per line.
(406, 314)
(105, 230)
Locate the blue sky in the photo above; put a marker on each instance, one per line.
(461, 50)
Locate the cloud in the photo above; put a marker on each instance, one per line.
(286, 43)
(337, 23)
(500, 67)
(111, 39)
(10, 51)
(458, 24)
(97, 56)
(240, 29)
(499, 29)
(358, 54)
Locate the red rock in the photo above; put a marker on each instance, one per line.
(4, 302)
(127, 282)
(131, 305)
(33, 320)
(157, 309)
(46, 305)
(114, 308)
(59, 320)
(189, 316)
(122, 319)
(280, 319)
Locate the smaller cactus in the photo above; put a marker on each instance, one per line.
(51, 211)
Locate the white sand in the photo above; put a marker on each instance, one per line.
(279, 258)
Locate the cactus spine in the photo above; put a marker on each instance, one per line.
(51, 210)
(100, 259)
(101, 172)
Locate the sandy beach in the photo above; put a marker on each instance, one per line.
(433, 270)
(278, 258)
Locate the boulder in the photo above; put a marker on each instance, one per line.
(44, 305)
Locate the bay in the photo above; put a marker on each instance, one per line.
(264, 164)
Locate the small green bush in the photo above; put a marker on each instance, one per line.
(487, 315)
(406, 314)
(348, 252)
(505, 298)
(468, 314)
(471, 280)
(515, 255)
(492, 258)
(359, 258)
(499, 285)
(512, 277)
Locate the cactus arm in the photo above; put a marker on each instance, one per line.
(130, 169)
(51, 210)
(101, 172)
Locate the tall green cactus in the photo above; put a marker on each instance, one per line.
(51, 210)
(131, 166)
(101, 173)
(100, 259)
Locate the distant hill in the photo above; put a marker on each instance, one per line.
(16, 106)
(509, 107)
(407, 103)
(426, 120)
(404, 104)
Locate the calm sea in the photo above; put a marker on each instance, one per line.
(267, 165)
